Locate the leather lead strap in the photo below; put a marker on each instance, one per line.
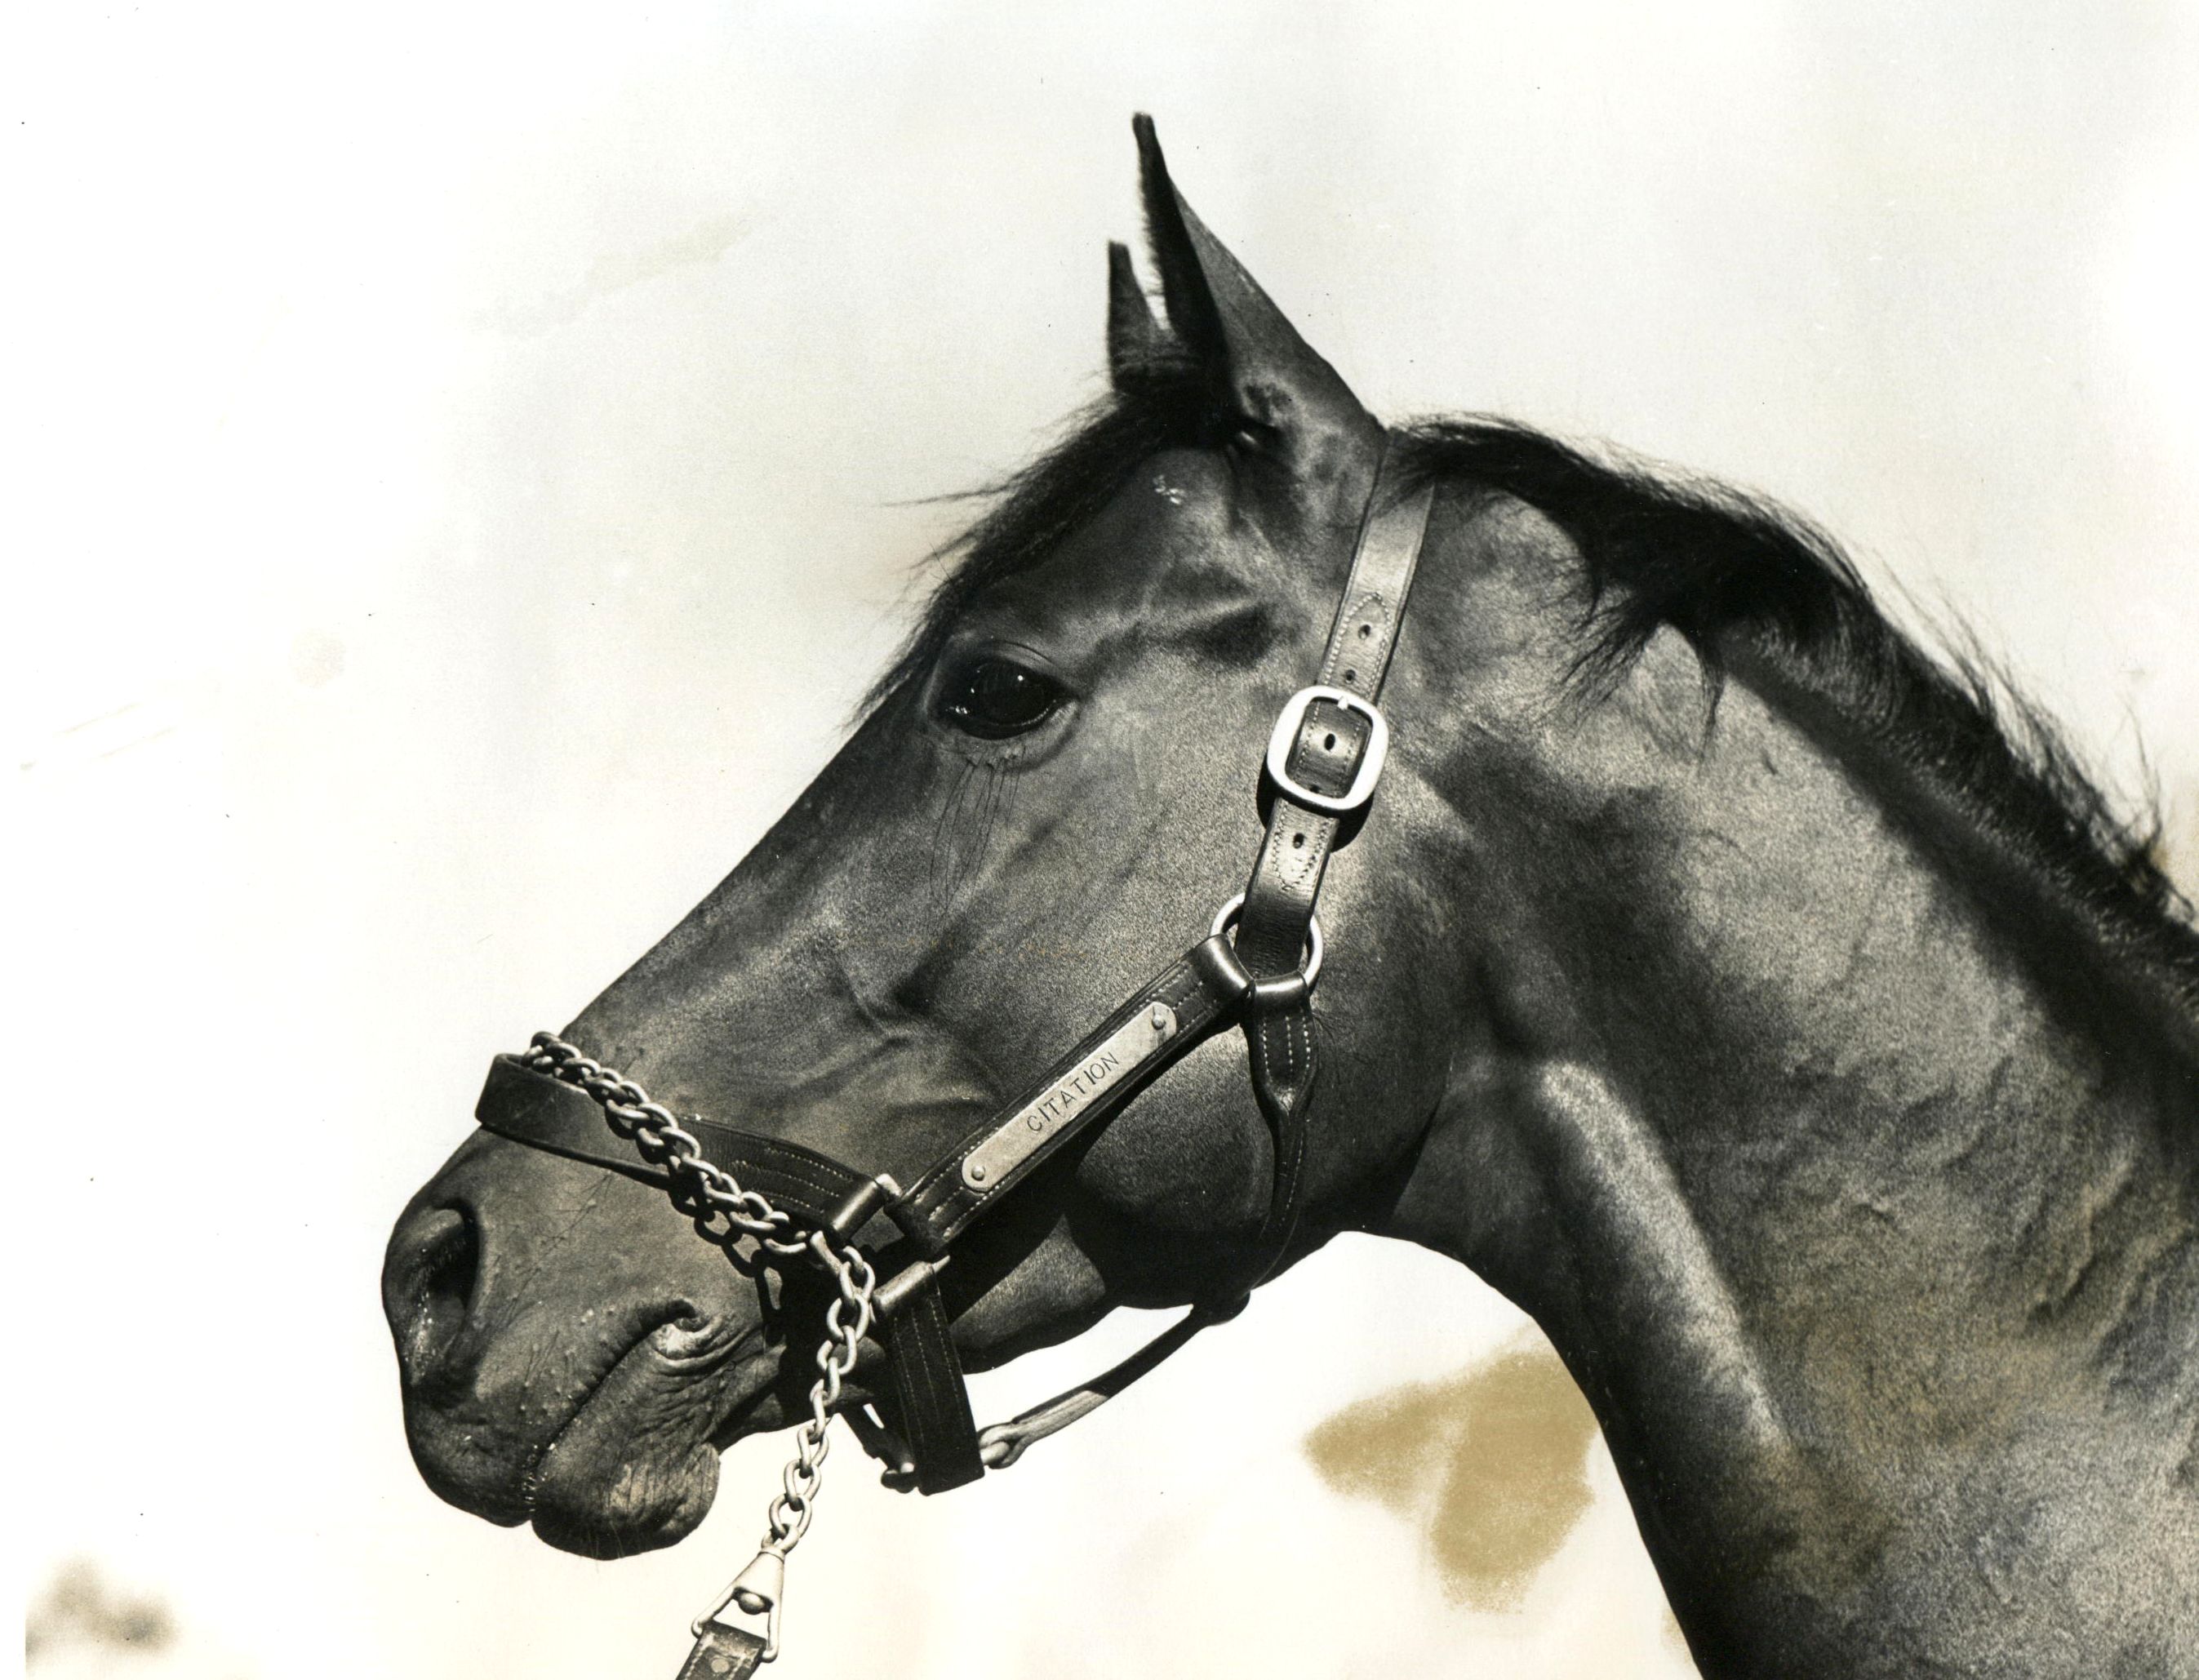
(722, 1653)
(1003, 1443)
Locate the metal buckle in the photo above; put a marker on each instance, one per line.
(1371, 757)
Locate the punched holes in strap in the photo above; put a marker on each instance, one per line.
(1330, 748)
(1365, 633)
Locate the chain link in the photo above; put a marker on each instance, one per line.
(723, 1212)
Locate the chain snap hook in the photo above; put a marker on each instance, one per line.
(755, 1591)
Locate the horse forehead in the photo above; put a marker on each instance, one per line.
(1173, 526)
(1177, 503)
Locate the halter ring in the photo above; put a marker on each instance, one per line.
(1225, 918)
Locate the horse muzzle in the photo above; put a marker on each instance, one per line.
(569, 1355)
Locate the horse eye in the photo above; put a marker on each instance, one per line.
(993, 698)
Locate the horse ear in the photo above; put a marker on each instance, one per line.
(1139, 347)
(1286, 401)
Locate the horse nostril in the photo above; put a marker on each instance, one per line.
(428, 1310)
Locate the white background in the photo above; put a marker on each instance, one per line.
(433, 427)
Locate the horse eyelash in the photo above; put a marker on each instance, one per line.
(961, 813)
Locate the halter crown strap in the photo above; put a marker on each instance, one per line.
(1323, 761)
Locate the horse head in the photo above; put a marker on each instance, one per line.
(1052, 792)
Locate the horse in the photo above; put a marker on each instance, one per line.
(1769, 1007)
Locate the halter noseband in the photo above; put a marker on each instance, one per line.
(1322, 762)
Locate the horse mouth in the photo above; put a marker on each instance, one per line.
(635, 1467)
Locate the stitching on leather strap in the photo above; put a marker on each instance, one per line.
(935, 1409)
(759, 1167)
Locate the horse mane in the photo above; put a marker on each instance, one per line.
(1719, 565)
(1722, 567)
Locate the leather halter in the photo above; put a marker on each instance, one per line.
(1318, 777)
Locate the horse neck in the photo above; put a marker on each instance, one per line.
(1830, 1150)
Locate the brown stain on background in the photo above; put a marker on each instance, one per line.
(80, 1608)
(1490, 1465)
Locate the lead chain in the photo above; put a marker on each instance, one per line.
(723, 1212)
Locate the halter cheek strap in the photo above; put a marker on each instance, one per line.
(1323, 761)
(1324, 758)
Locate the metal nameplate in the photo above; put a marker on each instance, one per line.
(1024, 1133)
